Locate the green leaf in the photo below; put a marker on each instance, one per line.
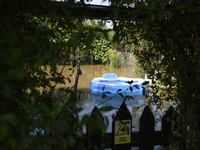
(145, 23)
(116, 37)
(47, 127)
(79, 133)
(153, 17)
(100, 123)
(29, 139)
(116, 10)
(9, 118)
(7, 89)
(183, 6)
(107, 108)
(96, 148)
(4, 131)
(72, 140)
(16, 73)
(89, 39)
(39, 61)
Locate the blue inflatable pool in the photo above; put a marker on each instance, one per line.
(111, 85)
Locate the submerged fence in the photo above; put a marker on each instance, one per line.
(122, 137)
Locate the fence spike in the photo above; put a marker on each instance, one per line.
(169, 125)
(122, 129)
(94, 134)
(147, 123)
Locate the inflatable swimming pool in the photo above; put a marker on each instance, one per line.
(111, 85)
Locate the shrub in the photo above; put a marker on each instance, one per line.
(115, 59)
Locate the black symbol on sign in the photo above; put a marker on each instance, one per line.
(122, 130)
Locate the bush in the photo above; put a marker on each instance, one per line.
(115, 59)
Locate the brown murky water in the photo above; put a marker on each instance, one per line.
(90, 72)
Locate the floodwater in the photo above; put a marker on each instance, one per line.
(88, 101)
(90, 72)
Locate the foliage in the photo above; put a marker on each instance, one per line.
(115, 59)
(168, 34)
(100, 49)
(101, 45)
(139, 70)
(166, 42)
(89, 38)
(29, 46)
(171, 52)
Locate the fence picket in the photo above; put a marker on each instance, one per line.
(146, 128)
(94, 135)
(169, 125)
(122, 129)
(145, 138)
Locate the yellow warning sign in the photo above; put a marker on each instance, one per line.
(122, 130)
(122, 139)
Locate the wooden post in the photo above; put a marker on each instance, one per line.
(121, 129)
(94, 135)
(147, 122)
(169, 125)
(78, 72)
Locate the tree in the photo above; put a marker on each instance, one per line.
(99, 43)
(32, 111)
(170, 32)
